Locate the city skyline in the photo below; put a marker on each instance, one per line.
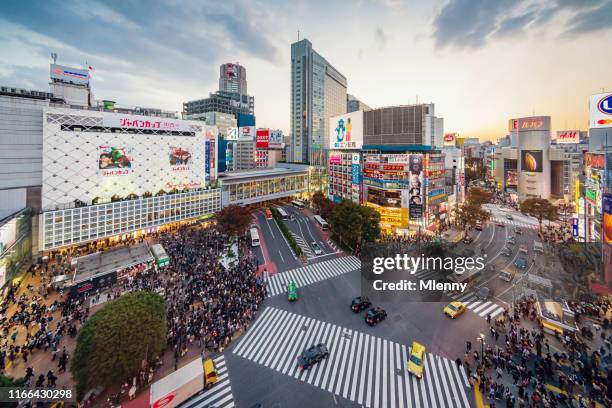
(480, 63)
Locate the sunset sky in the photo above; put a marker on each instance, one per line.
(481, 62)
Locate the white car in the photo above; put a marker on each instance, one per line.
(317, 249)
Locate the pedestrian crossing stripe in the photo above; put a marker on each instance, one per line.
(515, 223)
(313, 273)
(365, 369)
(220, 395)
(303, 245)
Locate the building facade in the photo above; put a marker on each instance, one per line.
(353, 104)
(232, 78)
(220, 101)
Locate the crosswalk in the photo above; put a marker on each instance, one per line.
(303, 245)
(514, 223)
(313, 273)
(219, 396)
(481, 308)
(364, 369)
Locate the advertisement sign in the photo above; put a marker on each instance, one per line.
(594, 160)
(355, 170)
(207, 160)
(8, 235)
(416, 186)
(178, 158)
(230, 71)
(246, 133)
(114, 120)
(590, 195)
(607, 218)
(276, 140)
(334, 158)
(600, 110)
(574, 227)
(449, 139)
(232, 133)
(346, 131)
(511, 178)
(394, 158)
(262, 140)
(211, 139)
(531, 161)
(68, 74)
(533, 123)
(114, 161)
(568, 136)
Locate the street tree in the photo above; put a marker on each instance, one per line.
(353, 223)
(115, 341)
(541, 209)
(234, 220)
(479, 196)
(323, 204)
(469, 214)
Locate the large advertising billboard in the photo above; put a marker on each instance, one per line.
(450, 139)
(346, 131)
(600, 111)
(511, 178)
(99, 164)
(607, 218)
(415, 192)
(594, 160)
(243, 133)
(276, 140)
(114, 120)
(8, 234)
(568, 136)
(67, 74)
(531, 161)
(262, 140)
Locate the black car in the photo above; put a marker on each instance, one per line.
(312, 355)
(468, 240)
(375, 315)
(360, 303)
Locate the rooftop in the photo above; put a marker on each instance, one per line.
(262, 173)
(102, 263)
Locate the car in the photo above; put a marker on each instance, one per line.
(360, 303)
(312, 356)
(523, 249)
(483, 293)
(316, 248)
(517, 230)
(478, 227)
(509, 217)
(520, 263)
(454, 309)
(468, 240)
(292, 291)
(501, 224)
(511, 241)
(375, 315)
(505, 276)
(416, 360)
(506, 251)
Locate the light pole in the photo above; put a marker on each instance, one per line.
(481, 339)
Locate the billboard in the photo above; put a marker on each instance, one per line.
(8, 234)
(262, 140)
(346, 131)
(335, 158)
(276, 140)
(114, 120)
(394, 158)
(449, 139)
(246, 133)
(114, 160)
(511, 178)
(600, 110)
(607, 219)
(67, 74)
(568, 136)
(529, 124)
(594, 160)
(415, 192)
(230, 71)
(531, 161)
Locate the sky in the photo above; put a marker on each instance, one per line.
(481, 62)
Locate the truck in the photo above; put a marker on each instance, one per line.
(182, 384)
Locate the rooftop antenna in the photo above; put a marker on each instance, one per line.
(54, 56)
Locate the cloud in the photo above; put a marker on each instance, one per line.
(381, 38)
(472, 23)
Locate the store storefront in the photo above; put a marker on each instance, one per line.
(15, 244)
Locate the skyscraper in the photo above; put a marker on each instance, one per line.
(318, 92)
(232, 78)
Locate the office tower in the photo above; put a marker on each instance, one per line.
(232, 78)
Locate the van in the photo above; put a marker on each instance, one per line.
(538, 247)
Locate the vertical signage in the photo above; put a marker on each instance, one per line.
(207, 156)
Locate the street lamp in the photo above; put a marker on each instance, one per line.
(481, 339)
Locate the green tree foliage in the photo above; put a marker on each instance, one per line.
(323, 204)
(469, 214)
(281, 225)
(541, 209)
(234, 220)
(353, 223)
(6, 381)
(114, 342)
(479, 196)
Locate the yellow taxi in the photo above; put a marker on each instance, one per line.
(210, 373)
(454, 309)
(417, 359)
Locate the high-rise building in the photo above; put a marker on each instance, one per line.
(401, 125)
(318, 92)
(221, 101)
(353, 104)
(232, 78)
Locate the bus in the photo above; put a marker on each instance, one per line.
(161, 257)
(283, 213)
(298, 203)
(268, 214)
(254, 237)
(324, 225)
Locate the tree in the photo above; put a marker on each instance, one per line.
(469, 214)
(541, 209)
(318, 198)
(479, 196)
(6, 381)
(353, 223)
(113, 343)
(234, 220)
(323, 204)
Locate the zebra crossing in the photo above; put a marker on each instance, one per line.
(368, 370)
(303, 245)
(514, 223)
(332, 245)
(471, 301)
(219, 396)
(313, 273)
